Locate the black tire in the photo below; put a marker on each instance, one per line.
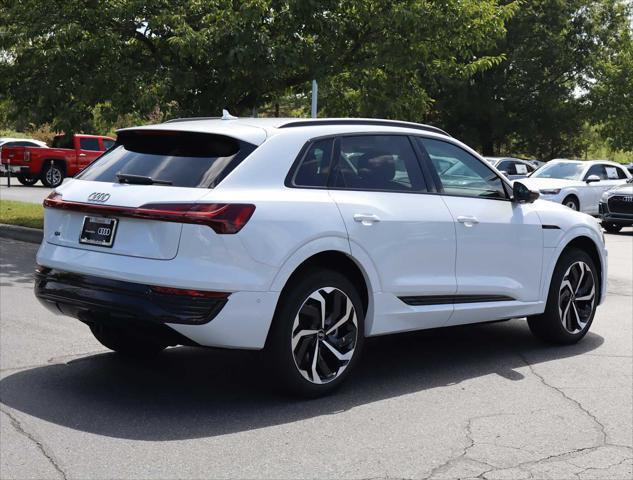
(612, 227)
(124, 342)
(26, 180)
(348, 338)
(53, 174)
(549, 325)
(572, 202)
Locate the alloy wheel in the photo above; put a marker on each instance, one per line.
(324, 335)
(54, 176)
(571, 204)
(576, 297)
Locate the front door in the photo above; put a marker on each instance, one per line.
(499, 243)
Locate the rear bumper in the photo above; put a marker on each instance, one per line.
(95, 299)
(15, 169)
(242, 321)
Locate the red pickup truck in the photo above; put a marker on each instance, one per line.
(68, 156)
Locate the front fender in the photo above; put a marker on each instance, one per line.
(551, 256)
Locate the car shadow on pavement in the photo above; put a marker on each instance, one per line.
(188, 393)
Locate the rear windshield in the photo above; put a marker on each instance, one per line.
(179, 159)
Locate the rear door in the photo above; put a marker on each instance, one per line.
(406, 235)
(499, 242)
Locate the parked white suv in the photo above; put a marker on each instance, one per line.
(303, 237)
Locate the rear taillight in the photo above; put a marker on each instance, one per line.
(221, 217)
(224, 218)
(189, 293)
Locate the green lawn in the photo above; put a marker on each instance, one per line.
(22, 213)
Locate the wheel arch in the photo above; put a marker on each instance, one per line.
(58, 161)
(582, 241)
(339, 261)
(574, 194)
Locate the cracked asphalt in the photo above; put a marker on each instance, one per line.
(486, 401)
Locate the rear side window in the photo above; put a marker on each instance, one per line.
(314, 168)
(89, 144)
(378, 162)
(180, 159)
(107, 143)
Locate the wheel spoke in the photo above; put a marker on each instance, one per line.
(582, 274)
(345, 318)
(300, 335)
(588, 297)
(576, 316)
(344, 357)
(315, 357)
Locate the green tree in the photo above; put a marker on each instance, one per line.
(61, 58)
(535, 101)
(612, 94)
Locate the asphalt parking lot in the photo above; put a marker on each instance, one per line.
(486, 401)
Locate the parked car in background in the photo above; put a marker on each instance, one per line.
(20, 142)
(69, 155)
(512, 168)
(302, 237)
(575, 183)
(616, 207)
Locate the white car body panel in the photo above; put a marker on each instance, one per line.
(418, 246)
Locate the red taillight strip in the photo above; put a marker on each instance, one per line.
(225, 218)
(189, 293)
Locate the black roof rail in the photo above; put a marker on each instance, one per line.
(191, 119)
(351, 121)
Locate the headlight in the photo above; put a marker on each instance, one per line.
(550, 191)
(604, 197)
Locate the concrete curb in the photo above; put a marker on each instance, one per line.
(24, 234)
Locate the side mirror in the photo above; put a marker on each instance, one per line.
(522, 194)
(592, 179)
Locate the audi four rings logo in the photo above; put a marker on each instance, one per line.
(627, 199)
(104, 231)
(99, 197)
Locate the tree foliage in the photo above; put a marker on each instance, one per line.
(612, 94)
(535, 101)
(192, 57)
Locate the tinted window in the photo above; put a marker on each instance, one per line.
(63, 141)
(460, 172)
(89, 144)
(315, 165)
(508, 167)
(107, 143)
(183, 158)
(598, 170)
(614, 173)
(378, 162)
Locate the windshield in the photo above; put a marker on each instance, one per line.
(180, 159)
(563, 170)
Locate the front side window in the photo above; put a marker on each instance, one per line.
(460, 172)
(107, 143)
(314, 168)
(180, 159)
(378, 162)
(91, 144)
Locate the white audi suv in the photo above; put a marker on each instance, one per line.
(304, 237)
